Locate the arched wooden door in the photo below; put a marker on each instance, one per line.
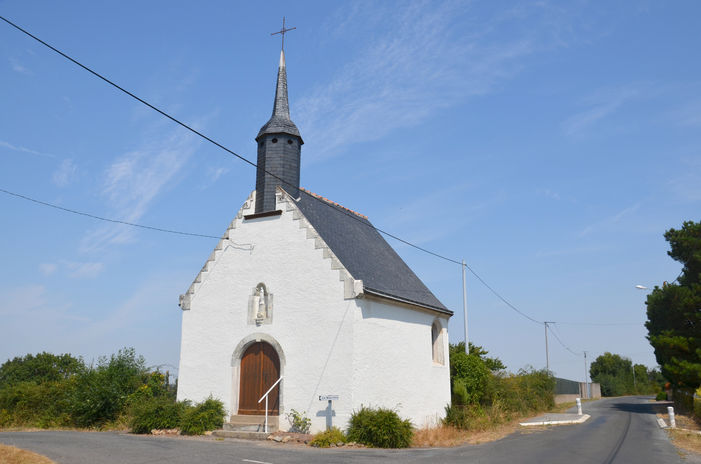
(260, 369)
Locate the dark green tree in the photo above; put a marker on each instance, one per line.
(40, 368)
(493, 364)
(614, 373)
(674, 315)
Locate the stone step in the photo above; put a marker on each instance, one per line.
(246, 423)
(240, 434)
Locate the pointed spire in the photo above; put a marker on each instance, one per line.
(280, 122)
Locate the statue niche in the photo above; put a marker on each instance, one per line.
(260, 306)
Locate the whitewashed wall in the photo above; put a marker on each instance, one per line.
(387, 362)
(393, 362)
(312, 322)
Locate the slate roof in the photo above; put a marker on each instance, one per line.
(365, 253)
(280, 121)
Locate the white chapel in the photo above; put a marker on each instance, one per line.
(304, 292)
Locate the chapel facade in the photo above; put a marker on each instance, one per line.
(301, 289)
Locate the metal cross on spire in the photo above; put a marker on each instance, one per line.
(282, 32)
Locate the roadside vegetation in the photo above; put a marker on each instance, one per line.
(618, 376)
(486, 403)
(674, 317)
(12, 455)
(118, 392)
(485, 395)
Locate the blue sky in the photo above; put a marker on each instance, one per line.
(548, 144)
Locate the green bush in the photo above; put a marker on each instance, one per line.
(38, 405)
(101, 393)
(328, 437)
(381, 428)
(661, 396)
(469, 375)
(299, 422)
(503, 396)
(466, 417)
(159, 412)
(208, 415)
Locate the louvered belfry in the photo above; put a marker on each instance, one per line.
(279, 149)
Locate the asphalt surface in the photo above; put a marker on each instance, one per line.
(621, 430)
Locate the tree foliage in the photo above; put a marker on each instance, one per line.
(615, 374)
(39, 368)
(493, 364)
(101, 392)
(674, 314)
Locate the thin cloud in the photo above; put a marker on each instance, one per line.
(601, 106)
(48, 268)
(84, 270)
(610, 221)
(65, 173)
(215, 174)
(21, 149)
(17, 67)
(429, 57)
(134, 180)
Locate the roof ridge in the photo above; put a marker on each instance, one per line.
(316, 195)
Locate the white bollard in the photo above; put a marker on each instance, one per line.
(672, 422)
(579, 406)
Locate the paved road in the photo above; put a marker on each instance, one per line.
(621, 430)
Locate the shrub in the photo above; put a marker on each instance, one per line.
(208, 415)
(299, 422)
(661, 396)
(156, 413)
(470, 375)
(40, 405)
(381, 428)
(101, 393)
(328, 437)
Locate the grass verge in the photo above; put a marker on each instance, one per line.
(686, 440)
(12, 455)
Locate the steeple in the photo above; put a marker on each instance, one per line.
(279, 149)
(280, 122)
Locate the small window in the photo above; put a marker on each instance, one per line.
(289, 141)
(274, 140)
(437, 343)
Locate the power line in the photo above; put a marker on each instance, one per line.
(600, 324)
(501, 297)
(115, 221)
(562, 343)
(245, 160)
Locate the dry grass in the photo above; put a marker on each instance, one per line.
(12, 455)
(446, 436)
(688, 441)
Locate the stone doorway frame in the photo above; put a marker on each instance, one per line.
(236, 356)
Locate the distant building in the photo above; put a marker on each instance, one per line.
(302, 288)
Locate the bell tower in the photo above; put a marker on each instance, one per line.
(279, 149)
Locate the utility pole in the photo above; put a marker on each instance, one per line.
(547, 355)
(586, 377)
(464, 307)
